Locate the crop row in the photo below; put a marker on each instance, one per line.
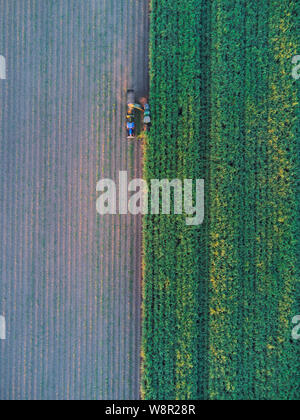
(174, 298)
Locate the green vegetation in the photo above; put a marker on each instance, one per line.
(219, 298)
(173, 324)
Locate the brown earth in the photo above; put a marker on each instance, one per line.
(70, 280)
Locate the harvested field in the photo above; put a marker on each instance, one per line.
(70, 280)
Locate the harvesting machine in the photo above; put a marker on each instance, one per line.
(131, 119)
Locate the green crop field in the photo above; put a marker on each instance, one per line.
(219, 299)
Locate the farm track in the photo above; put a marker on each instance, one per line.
(70, 281)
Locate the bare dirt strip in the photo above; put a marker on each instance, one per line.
(70, 280)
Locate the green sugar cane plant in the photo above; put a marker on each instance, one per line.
(219, 298)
